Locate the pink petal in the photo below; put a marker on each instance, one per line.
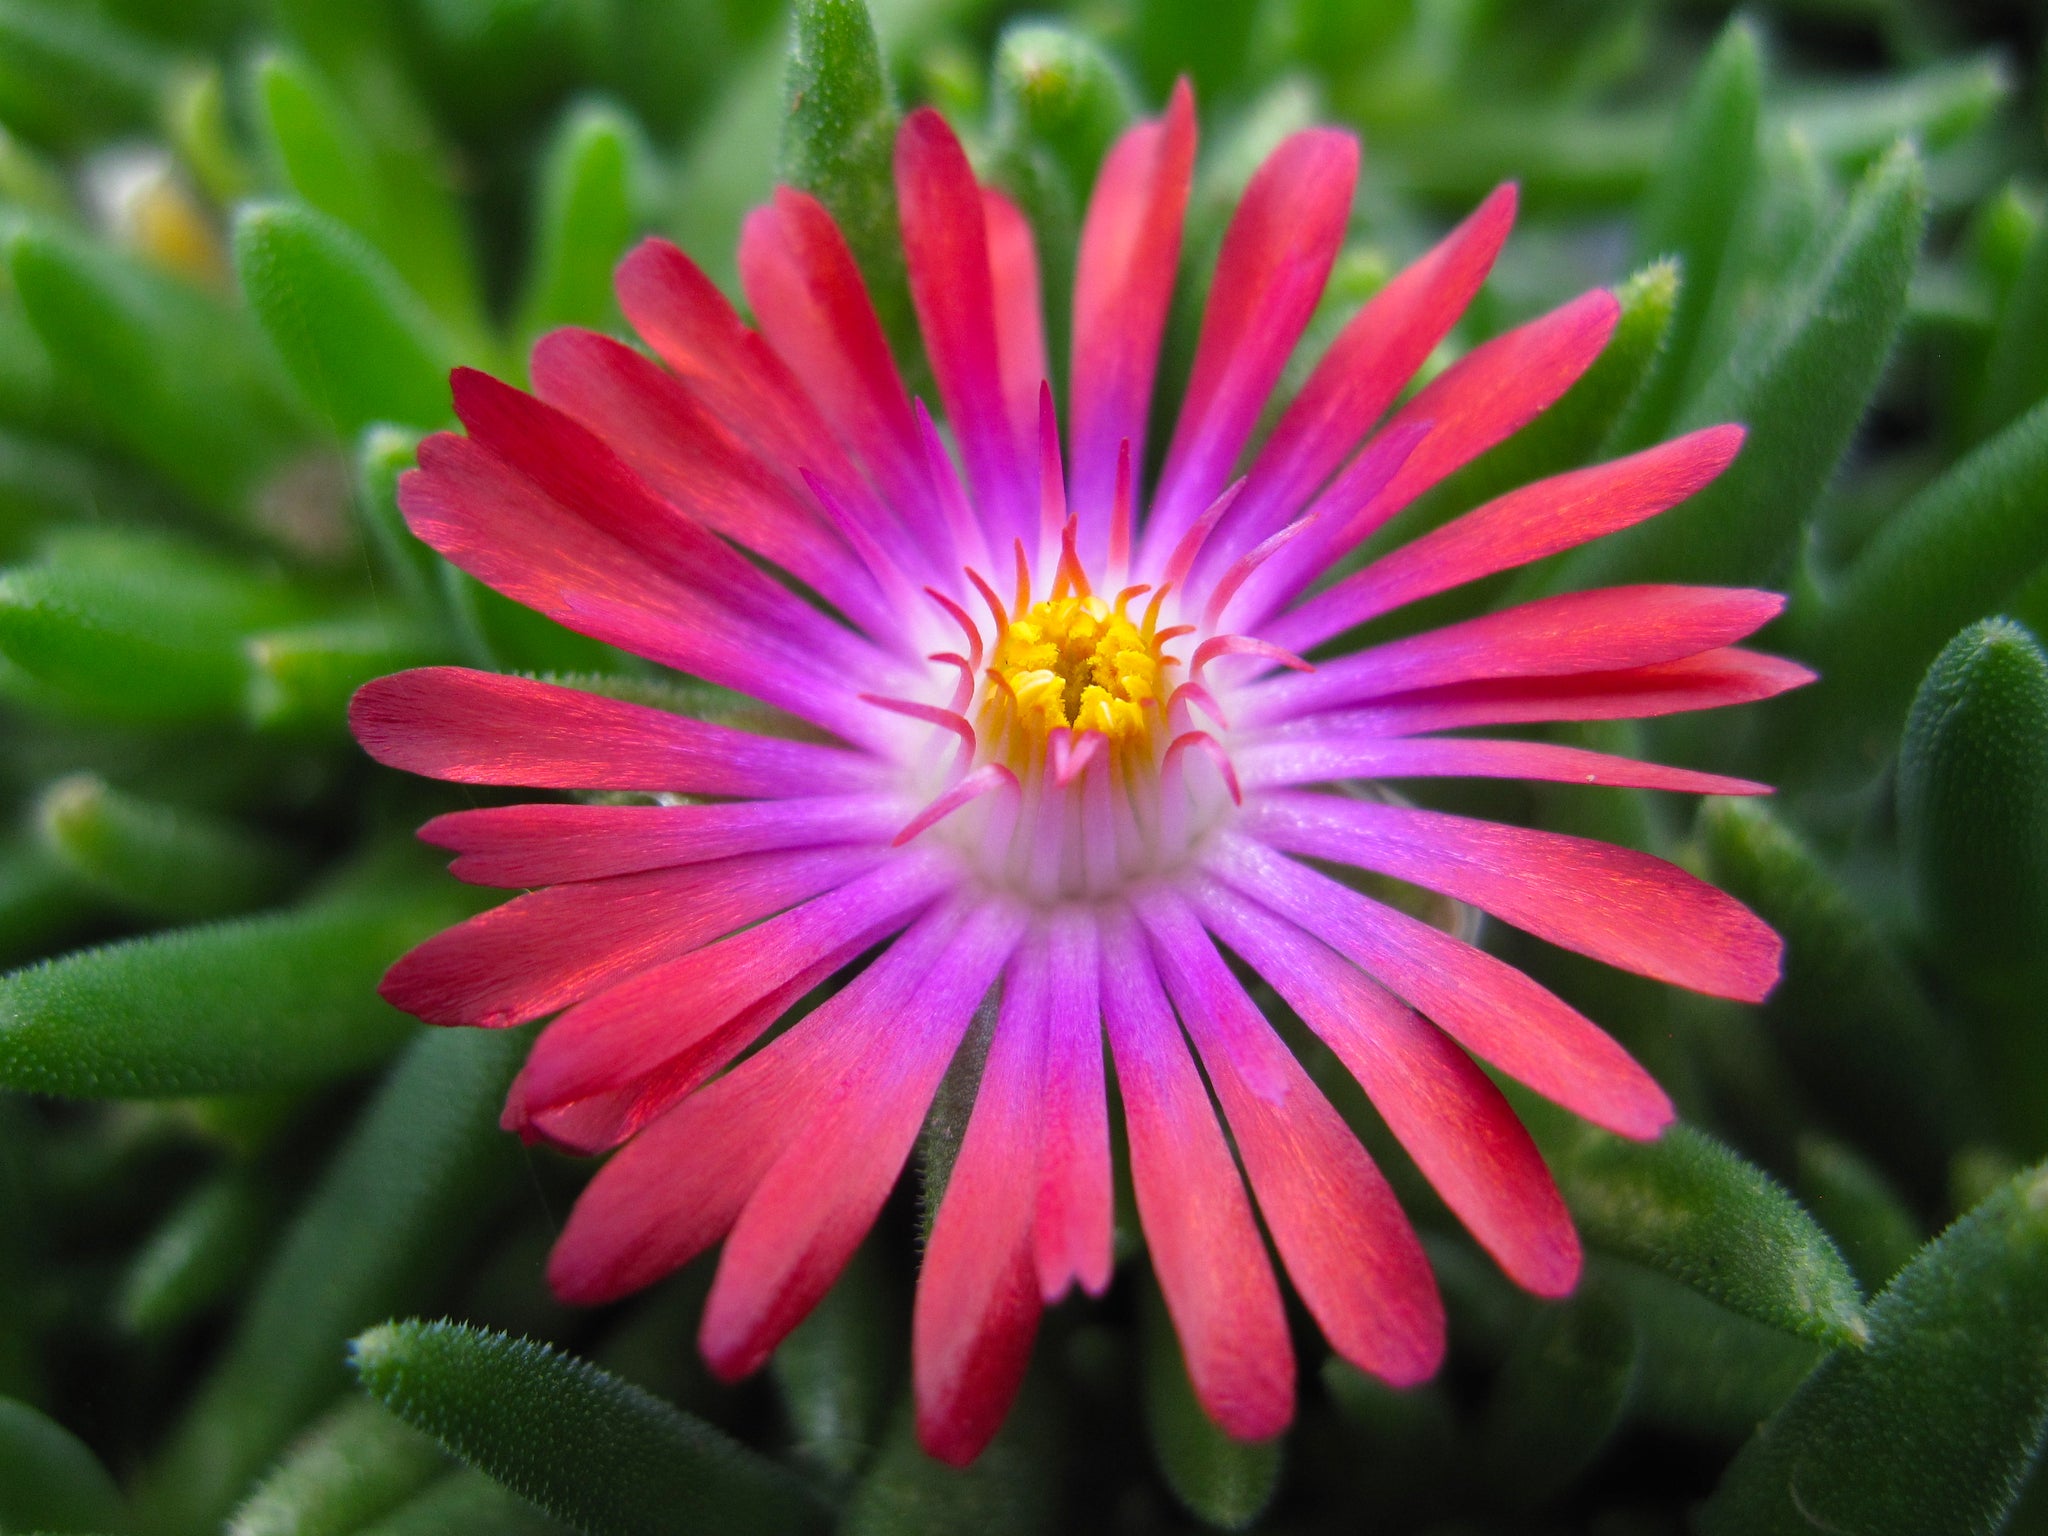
(1439, 1105)
(1020, 316)
(1351, 1253)
(977, 1297)
(1363, 372)
(945, 241)
(813, 307)
(486, 728)
(503, 529)
(1489, 1007)
(520, 847)
(1123, 283)
(688, 1017)
(1205, 1246)
(678, 1186)
(693, 328)
(1276, 255)
(1711, 680)
(1524, 525)
(1488, 395)
(698, 465)
(1331, 754)
(1614, 904)
(1609, 629)
(818, 1200)
(544, 951)
(1072, 1231)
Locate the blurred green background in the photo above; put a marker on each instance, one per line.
(242, 241)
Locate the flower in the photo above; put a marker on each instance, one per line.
(1041, 732)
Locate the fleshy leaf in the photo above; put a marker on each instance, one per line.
(67, 73)
(355, 1465)
(359, 343)
(592, 191)
(1950, 555)
(1696, 208)
(1799, 377)
(836, 1369)
(157, 860)
(49, 1480)
(1973, 796)
(1934, 1425)
(1851, 1019)
(1693, 1209)
(207, 1243)
(424, 1168)
(136, 628)
(1560, 1396)
(1012, 1489)
(1858, 1206)
(301, 679)
(838, 142)
(260, 1002)
(588, 1448)
(1223, 1482)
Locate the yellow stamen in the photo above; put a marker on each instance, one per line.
(1073, 661)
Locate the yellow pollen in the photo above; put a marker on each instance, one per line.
(1075, 661)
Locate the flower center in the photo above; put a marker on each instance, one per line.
(1077, 663)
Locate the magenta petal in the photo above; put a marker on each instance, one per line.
(1331, 753)
(1605, 630)
(1363, 372)
(686, 1018)
(813, 307)
(945, 241)
(1276, 255)
(977, 1295)
(1123, 282)
(1614, 904)
(486, 728)
(544, 951)
(521, 847)
(1020, 316)
(1524, 525)
(1205, 1245)
(1488, 1006)
(814, 1205)
(1349, 1250)
(1711, 680)
(1072, 1231)
(1442, 1108)
(698, 465)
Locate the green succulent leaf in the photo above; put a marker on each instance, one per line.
(836, 1369)
(49, 1479)
(1013, 1488)
(157, 860)
(1950, 555)
(595, 1452)
(252, 1003)
(1930, 1430)
(464, 1503)
(1850, 1017)
(359, 343)
(67, 73)
(1691, 1208)
(357, 1464)
(1560, 1396)
(423, 1170)
(301, 679)
(1857, 1204)
(1799, 377)
(593, 188)
(136, 628)
(172, 375)
(1223, 1482)
(1695, 211)
(1973, 795)
(204, 1247)
(838, 144)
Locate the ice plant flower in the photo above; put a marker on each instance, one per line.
(1026, 727)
